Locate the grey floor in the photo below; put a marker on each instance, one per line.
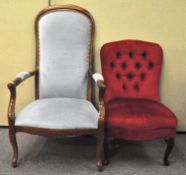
(69, 156)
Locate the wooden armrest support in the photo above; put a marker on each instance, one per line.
(101, 87)
(101, 84)
(98, 78)
(12, 88)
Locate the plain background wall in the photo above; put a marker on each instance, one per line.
(17, 48)
(161, 21)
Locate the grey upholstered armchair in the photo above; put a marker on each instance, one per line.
(63, 84)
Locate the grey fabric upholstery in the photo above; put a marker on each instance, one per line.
(58, 113)
(64, 38)
(97, 77)
(23, 75)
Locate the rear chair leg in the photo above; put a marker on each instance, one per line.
(170, 145)
(13, 141)
(99, 153)
(106, 149)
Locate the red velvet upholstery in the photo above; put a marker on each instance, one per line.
(139, 115)
(131, 70)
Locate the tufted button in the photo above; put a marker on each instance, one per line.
(118, 76)
(150, 65)
(144, 55)
(142, 76)
(130, 75)
(112, 64)
(118, 54)
(131, 54)
(124, 86)
(138, 65)
(136, 87)
(124, 65)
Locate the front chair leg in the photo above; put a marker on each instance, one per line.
(170, 145)
(13, 141)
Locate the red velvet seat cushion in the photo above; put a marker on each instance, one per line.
(139, 115)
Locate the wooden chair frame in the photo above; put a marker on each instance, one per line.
(99, 132)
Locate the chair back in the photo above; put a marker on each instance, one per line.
(131, 69)
(64, 41)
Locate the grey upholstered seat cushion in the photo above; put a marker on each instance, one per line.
(58, 113)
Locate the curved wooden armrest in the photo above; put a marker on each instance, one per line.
(12, 87)
(21, 77)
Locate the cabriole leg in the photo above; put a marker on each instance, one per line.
(13, 141)
(170, 145)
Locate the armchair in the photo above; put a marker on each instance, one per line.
(63, 84)
(133, 111)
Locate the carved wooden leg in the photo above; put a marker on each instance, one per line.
(13, 141)
(99, 149)
(170, 145)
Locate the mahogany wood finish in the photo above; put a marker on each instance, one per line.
(11, 116)
(102, 88)
(100, 154)
(99, 133)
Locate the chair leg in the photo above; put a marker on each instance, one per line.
(99, 153)
(106, 149)
(13, 141)
(170, 145)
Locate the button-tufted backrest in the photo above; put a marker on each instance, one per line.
(131, 69)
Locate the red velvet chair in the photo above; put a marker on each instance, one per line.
(133, 111)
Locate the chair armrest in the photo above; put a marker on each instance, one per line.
(98, 78)
(12, 88)
(20, 77)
